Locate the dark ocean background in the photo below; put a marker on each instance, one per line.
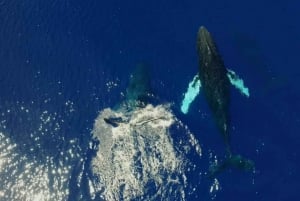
(61, 62)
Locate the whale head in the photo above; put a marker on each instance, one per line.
(207, 49)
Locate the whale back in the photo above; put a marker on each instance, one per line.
(216, 85)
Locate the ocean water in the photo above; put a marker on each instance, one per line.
(63, 62)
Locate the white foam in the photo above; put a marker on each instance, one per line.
(139, 158)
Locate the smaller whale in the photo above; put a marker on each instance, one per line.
(139, 92)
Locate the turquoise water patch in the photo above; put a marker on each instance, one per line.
(192, 91)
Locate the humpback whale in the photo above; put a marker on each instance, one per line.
(215, 83)
(216, 86)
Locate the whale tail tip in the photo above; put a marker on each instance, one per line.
(231, 161)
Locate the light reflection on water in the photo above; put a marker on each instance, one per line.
(39, 161)
(25, 179)
(36, 156)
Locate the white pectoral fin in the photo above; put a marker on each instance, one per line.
(237, 82)
(192, 92)
(193, 89)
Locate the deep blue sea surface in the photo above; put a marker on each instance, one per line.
(64, 61)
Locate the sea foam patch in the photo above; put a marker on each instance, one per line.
(139, 158)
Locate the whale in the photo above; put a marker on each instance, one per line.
(215, 83)
(138, 94)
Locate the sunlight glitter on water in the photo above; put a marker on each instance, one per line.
(35, 165)
(28, 180)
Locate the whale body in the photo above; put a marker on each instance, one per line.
(214, 80)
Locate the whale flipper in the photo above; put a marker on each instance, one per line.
(192, 92)
(194, 89)
(238, 83)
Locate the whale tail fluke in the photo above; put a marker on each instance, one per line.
(139, 83)
(139, 91)
(231, 161)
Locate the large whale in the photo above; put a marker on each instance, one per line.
(215, 83)
(216, 86)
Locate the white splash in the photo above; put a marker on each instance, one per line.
(192, 92)
(112, 84)
(139, 159)
(214, 189)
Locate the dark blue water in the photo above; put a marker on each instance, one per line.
(60, 61)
